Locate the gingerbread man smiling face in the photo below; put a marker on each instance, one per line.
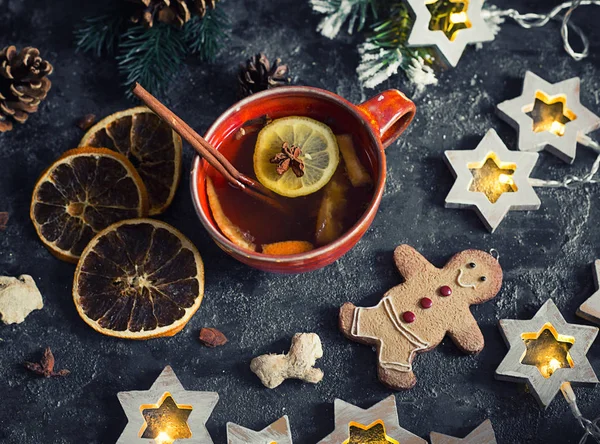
(416, 315)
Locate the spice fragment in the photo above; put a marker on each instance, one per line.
(289, 157)
(211, 337)
(45, 367)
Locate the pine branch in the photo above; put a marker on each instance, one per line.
(338, 12)
(151, 56)
(99, 34)
(205, 36)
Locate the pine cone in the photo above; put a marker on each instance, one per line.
(172, 12)
(258, 75)
(23, 84)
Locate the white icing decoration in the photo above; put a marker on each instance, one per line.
(460, 272)
(413, 339)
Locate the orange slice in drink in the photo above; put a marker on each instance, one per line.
(139, 279)
(83, 192)
(149, 144)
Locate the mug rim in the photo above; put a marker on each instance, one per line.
(224, 242)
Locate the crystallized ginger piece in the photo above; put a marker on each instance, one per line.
(357, 173)
(286, 248)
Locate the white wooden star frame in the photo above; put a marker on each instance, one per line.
(560, 140)
(545, 388)
(483, 434)
(451, 49)
(384, 411)
(523, 196)
(590, 309)
(278, 432)
(201, 405)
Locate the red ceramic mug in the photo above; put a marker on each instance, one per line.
(375, 124)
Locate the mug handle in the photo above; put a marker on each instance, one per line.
(388, 113)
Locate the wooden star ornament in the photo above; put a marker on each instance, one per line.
(492, 180)
(549, 116)
(449, 25)
(546, 352)
(377, 424)
(278, 432)
(590, 309)
(483, 434)
(166, 413)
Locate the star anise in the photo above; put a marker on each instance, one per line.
(45, 367)
(289, 157)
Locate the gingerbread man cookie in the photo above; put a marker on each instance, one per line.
(415, 316)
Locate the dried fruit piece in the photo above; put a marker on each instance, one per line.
(18, 297)
(332, 209)
(286, 248)
(357, 173)
(149, 144)
(86, 122)
(3, 220)
(298, 363)
(139, 279)
(211, 337)
(45, 367)
(83, 192)
(228, 228)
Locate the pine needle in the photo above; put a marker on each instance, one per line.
(206, 36)
(151, 56)
(338, 12)
(99, 34)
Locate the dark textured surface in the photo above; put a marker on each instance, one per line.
(546, 253)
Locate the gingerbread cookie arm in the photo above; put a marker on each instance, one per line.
(410, 262)
(467, 335)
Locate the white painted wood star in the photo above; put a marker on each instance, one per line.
(590, 309)
(483, 434)
(380, 420)
(519, 194)
(461, 28)
(544, 373)
(558, 133)
(278, 432)
(197, 407)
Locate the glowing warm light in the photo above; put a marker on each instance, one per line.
(557, 128)
(492, 177)
(459, 17)
(163, 438)
(547, 350)
(549, 113)
(506, 179)
(373, 433)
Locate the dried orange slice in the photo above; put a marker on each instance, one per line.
(83, 192)
(149, 144)
(139, 279)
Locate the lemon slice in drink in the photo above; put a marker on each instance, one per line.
(319, 153)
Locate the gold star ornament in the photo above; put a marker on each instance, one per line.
(277, 433)
(492, 180)
(546, 352)
(375, 425)
(549, 116)
(590, 309)
(166, 413)
(448, 25)
(484, 434)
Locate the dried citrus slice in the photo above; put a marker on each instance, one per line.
(83, 192)
(149, 144)
(319, 154)
(139, 279)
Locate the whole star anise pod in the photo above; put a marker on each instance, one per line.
(258, 74)
(45, 367)
(289, 157)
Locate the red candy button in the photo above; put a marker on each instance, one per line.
(426, 303)
(408, 316)
(445, 290)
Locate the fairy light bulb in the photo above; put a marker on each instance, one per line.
(459, 17)
(163, 438)
(557, 128)
(506, 179)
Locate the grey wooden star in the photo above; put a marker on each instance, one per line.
(198, 406)
(383, 415)
(590, 309)
(559, 138)
(483, 434)
(474, 29)
(278, 432)
(492, 210)
(577, 338)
